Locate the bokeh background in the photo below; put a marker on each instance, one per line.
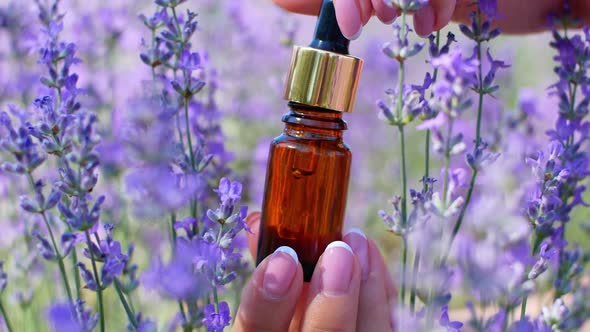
(248, 44)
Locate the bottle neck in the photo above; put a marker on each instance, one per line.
(310, 122)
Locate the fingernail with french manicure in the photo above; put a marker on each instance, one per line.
(360, 246)
(280, 272)
(336, 265)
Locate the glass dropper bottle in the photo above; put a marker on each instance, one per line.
(309, 164)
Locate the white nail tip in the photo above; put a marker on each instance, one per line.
(356, 35)
(339, 244)
(390, 22)
(289, 251)
(356, 231)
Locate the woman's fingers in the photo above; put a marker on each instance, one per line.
(525, 16)
(514, 16)
(348, 15)
(374, 304)
(269, 298)
(253, 221)
(332, 301)
(385, 13)
(434, 16)
(307, 7)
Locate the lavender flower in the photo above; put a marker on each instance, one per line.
(216, 320)
(554, 316)
(406, 5)
(444, 321)
(144, 325)
(3, 277)
(400, 48)
(180, 279)
(546, 254)
(71, 317)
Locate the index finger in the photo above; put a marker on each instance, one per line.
(307, 7)
(524, 16)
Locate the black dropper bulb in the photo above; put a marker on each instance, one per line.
(328, 36)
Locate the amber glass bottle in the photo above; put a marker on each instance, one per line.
(307, 183)
(309, 164)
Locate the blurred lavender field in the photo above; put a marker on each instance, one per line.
(245, 48)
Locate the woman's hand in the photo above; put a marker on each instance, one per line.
(351, 290)
(520, 16)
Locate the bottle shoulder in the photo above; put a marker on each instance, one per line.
(288, 141)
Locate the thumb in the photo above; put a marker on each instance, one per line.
(253, 221)
(269, 299)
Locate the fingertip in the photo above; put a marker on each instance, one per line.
(424, 20)
(252, 218)
(275, 286)
(280, 273)
(307, 7)
(253, 221)
(443, 10)
(385, 13)
(377, 258)
(332, 301)
(348, 16)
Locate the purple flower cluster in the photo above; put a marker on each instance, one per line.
(407, 5)
(71, 317)
(206, 258)
(60, 128)
(174, 167)
(103, 161)
(559, 177)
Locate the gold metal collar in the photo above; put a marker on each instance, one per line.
(323, 79)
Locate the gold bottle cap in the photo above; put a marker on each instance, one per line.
(323, 79)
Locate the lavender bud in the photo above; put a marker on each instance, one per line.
(54, 198)
(67, 241)
(28, 205)
(537, 269)
(87, 277)
(13, 168)
(3, 277)
(45, 249)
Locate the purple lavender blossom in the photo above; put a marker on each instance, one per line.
(400, 47)
(214, 320)
(3, 277)
(546, 254)
(407, 5)
(489, 7)
(71, 318)
(179, 279)
(444, 321)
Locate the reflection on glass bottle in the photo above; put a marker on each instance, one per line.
(306, 188)
(309, 164)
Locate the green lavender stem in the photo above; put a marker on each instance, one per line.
(126, 306)
(74, 259)
(6, 320)
(98, 284)
(534, 245)
(414, 278)
(188, 134)
(172, 230)
(153, 44)
(523, 307)
(418, 254)
(447, 163)
(186, 326)
(461, 216)
(399, 106)
(60, 262)
(215, 296)
(477, 143)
